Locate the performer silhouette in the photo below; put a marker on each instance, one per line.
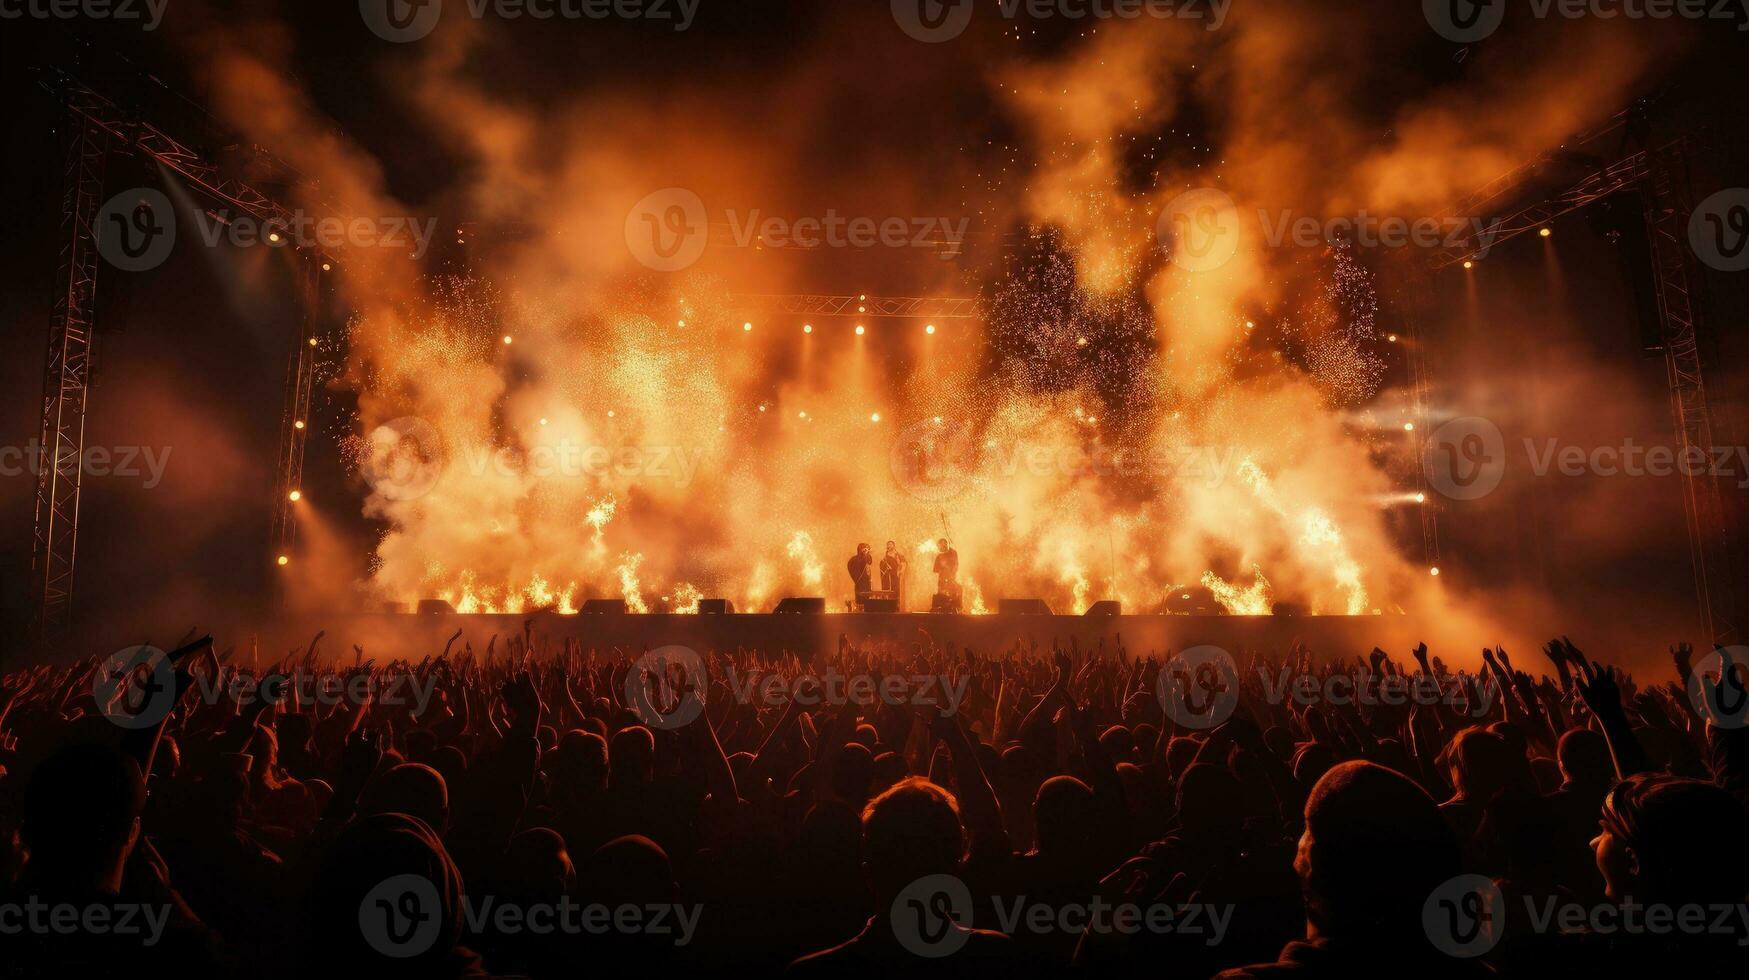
(947, 576)
(893, 572)
(862, 571)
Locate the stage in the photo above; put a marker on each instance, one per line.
(415, 636)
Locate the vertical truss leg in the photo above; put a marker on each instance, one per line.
(61, 443)
(294, 426)
(1668, 205)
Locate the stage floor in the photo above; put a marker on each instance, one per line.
(414, 636)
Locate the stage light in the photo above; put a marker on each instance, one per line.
(283, 560)
(295, 496)
(862, 297)
(1080, 341)
(862, 309)
(1408, 427)
(762, 407)
(938, 420)
(747, 326)
(326, 267)
(807, 328)
(1545, 232)
(1420, 498)
(1434, 570)
(1468, 264)
(508, 339)
(543, 421)
(859, 330)
(273, 236)
(610, 413)
(1392, 338)
(298, 424)
(801, 415)
(313, 341)
(681, 323)
(929, 329)
(875, 417)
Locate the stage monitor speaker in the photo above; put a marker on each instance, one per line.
(885, 605)
(604, 607)
(1105, 607)
(801, 604)
(715, 607)
(435, 607)
(1023, 607)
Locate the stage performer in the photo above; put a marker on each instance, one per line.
(893, 572)
(862, 571)
(947, 573)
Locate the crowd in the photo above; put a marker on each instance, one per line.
(543, 809)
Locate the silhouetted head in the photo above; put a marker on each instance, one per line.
(910, 831)
(1062, 812)
(892, 547)
(537, 867)
(632, 757)
(1584, 758)
(386, 901)
(1480, 762)
(1662, 840)
(81, 815)
(580, 761)
(1374, 848)
(630, 870)
(410, 788)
